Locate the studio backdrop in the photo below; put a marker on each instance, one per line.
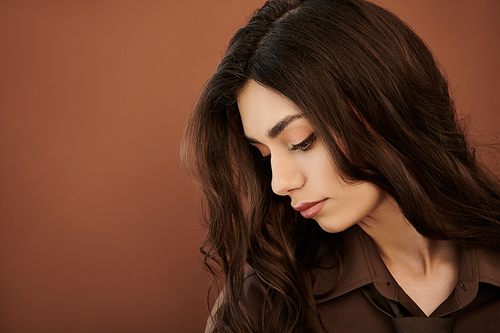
(99, 226)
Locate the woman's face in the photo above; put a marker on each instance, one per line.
(301, 165)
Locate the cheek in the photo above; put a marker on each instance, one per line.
(325, 168)
(363, 194)
(366, 200)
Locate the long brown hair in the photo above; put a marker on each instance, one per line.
(366, 83)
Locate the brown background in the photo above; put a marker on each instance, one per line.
(99, 227)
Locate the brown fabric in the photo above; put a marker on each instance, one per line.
(402, 319)
(368, 298)
(423, 324)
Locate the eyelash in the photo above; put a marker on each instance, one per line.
(306, 144)
(303, 146)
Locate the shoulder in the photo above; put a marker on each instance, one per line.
(254, 295)
(254, 292)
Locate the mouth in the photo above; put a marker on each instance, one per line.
(309, 209)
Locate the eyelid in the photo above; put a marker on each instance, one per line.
(306, 144)
(302, 146)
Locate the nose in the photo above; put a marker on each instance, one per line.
(287, 176)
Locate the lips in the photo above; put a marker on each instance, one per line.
(309, 209)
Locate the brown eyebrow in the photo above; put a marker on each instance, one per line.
(278, 128)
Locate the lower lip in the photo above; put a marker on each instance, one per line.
(311, 212)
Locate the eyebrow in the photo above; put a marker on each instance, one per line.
(278, 128)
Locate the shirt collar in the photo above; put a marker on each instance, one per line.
(364, 266)
(488, 264)
(358, 270)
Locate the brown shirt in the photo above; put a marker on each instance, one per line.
(368, 299)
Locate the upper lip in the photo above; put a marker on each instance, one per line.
(304, 205)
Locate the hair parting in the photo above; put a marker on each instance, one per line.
(374, 94)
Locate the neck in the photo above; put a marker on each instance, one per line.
(401, 245)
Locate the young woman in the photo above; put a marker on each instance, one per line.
(342, 194)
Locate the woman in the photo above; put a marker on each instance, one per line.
(342, 194)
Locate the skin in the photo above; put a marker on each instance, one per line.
(306, 175)
(303, 170)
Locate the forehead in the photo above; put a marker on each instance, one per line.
(261, 108)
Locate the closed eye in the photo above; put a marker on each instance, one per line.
(306, 144)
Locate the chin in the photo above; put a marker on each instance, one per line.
(332, 227)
